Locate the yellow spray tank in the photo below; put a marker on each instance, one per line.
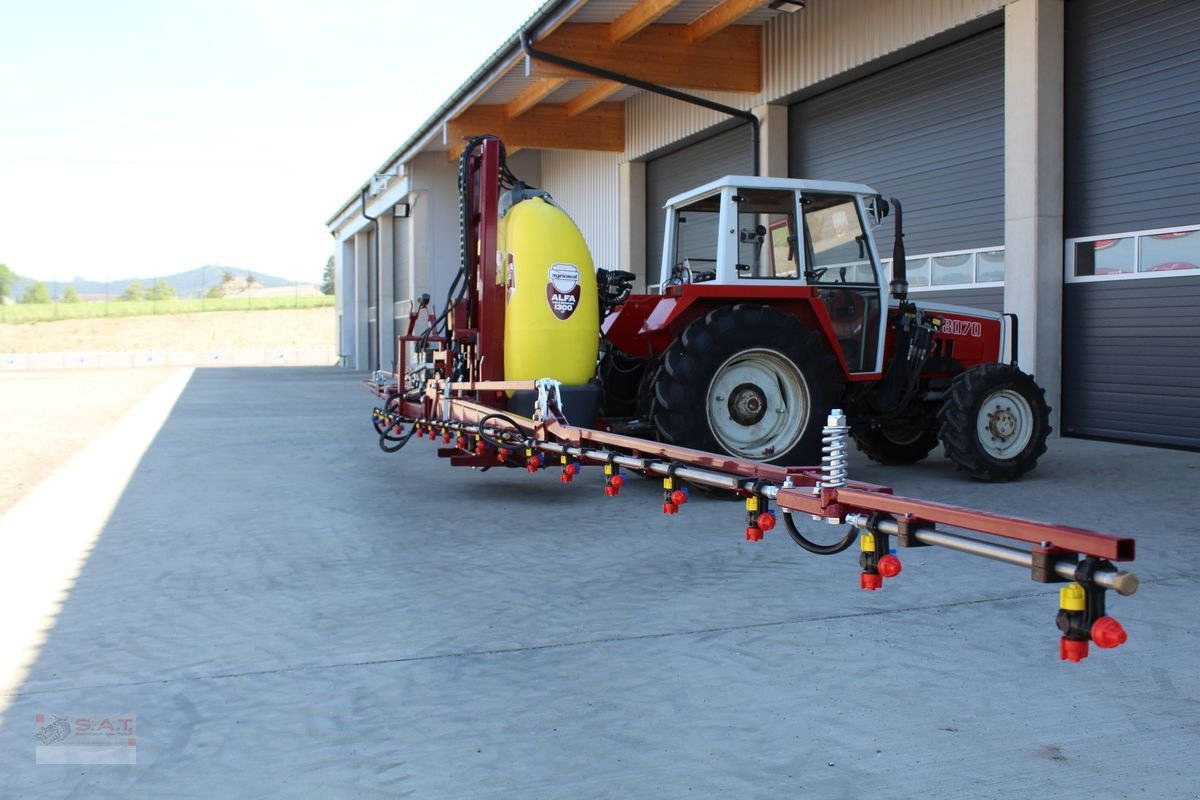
(552, 316)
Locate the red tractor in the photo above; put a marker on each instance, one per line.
(773, 308)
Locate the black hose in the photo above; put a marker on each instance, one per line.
(464, 274)
(498, 444)
(384, 438)
(813, 547)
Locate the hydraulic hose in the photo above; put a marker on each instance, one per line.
(813, 547)
(498, 444)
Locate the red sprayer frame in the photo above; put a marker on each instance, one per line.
(470, 418)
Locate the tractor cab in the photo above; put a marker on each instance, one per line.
(772, 235)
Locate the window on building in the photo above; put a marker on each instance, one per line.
(958, 269)
(1142, 254)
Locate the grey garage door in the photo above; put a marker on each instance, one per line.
(1131, 346)
(726, 153)
(929, 131)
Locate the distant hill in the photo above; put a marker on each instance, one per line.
(192, 283)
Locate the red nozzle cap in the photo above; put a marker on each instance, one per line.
(565, 477)
(532, 466)
(753, 535)
(1107, 632)
(1072, 650)
(618, 481)
(766, 521)
(679, 497)
(570, 469)
(870, 581)
(889, 566)
(611, 491)
(480, 448)
(670, 508)
(446, 437)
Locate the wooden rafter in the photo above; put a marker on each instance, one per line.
(730, 60)
(545, 126)
(596, 93)
(531, 96)
(721, 17)
(637, 18)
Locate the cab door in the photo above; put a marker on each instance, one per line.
(840, 261)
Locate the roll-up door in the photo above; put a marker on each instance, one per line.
(373, 299)
(929, 131)
(1131, 325)
(726, 153)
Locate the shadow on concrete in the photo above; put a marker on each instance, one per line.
(289, 611)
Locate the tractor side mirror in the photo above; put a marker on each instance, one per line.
(877, 208)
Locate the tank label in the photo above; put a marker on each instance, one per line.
(562, 292)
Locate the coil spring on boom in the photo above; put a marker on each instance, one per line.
(833, 448)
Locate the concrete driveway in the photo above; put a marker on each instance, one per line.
(290, 612)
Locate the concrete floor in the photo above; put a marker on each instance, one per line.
(291, 612)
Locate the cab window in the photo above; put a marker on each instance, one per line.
(836, 242)
(697, 229)
(766, 231)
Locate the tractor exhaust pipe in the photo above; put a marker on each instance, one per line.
(899, 284)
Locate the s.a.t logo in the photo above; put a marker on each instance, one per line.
(562, 291)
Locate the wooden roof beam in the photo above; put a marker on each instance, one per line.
(721, 17)
(637, 18)
(596, 93)
(531, 96)
(545, 126)
(730, 60)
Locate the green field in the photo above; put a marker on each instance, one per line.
(46, 312)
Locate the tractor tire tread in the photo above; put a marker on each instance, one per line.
(957, 422)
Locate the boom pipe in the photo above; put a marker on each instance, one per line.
(1079, 557)
(805, 494)
(1123, 583)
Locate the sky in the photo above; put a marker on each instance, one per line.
(145, 138)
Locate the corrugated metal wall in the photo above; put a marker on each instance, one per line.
(821, 42)
(726, 153)
(987, 297)
(1131, 348)
(1131, 361)
(929, 131)
(585, 185)
(1132, 115)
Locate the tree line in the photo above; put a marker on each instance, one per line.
(38, 292)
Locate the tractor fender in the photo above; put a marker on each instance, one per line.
(646, 325)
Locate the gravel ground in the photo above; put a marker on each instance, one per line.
(45, 417)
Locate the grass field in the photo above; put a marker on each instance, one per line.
(229, 330)
(116, 308)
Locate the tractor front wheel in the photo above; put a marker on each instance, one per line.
(994, 422)
(749, 381)
(896, 444)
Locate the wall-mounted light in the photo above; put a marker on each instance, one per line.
(403, 209)
(790, 6)
(380, 181)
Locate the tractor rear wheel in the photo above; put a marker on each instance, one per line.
(994, 422)
(896, 444)
(749, 381)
